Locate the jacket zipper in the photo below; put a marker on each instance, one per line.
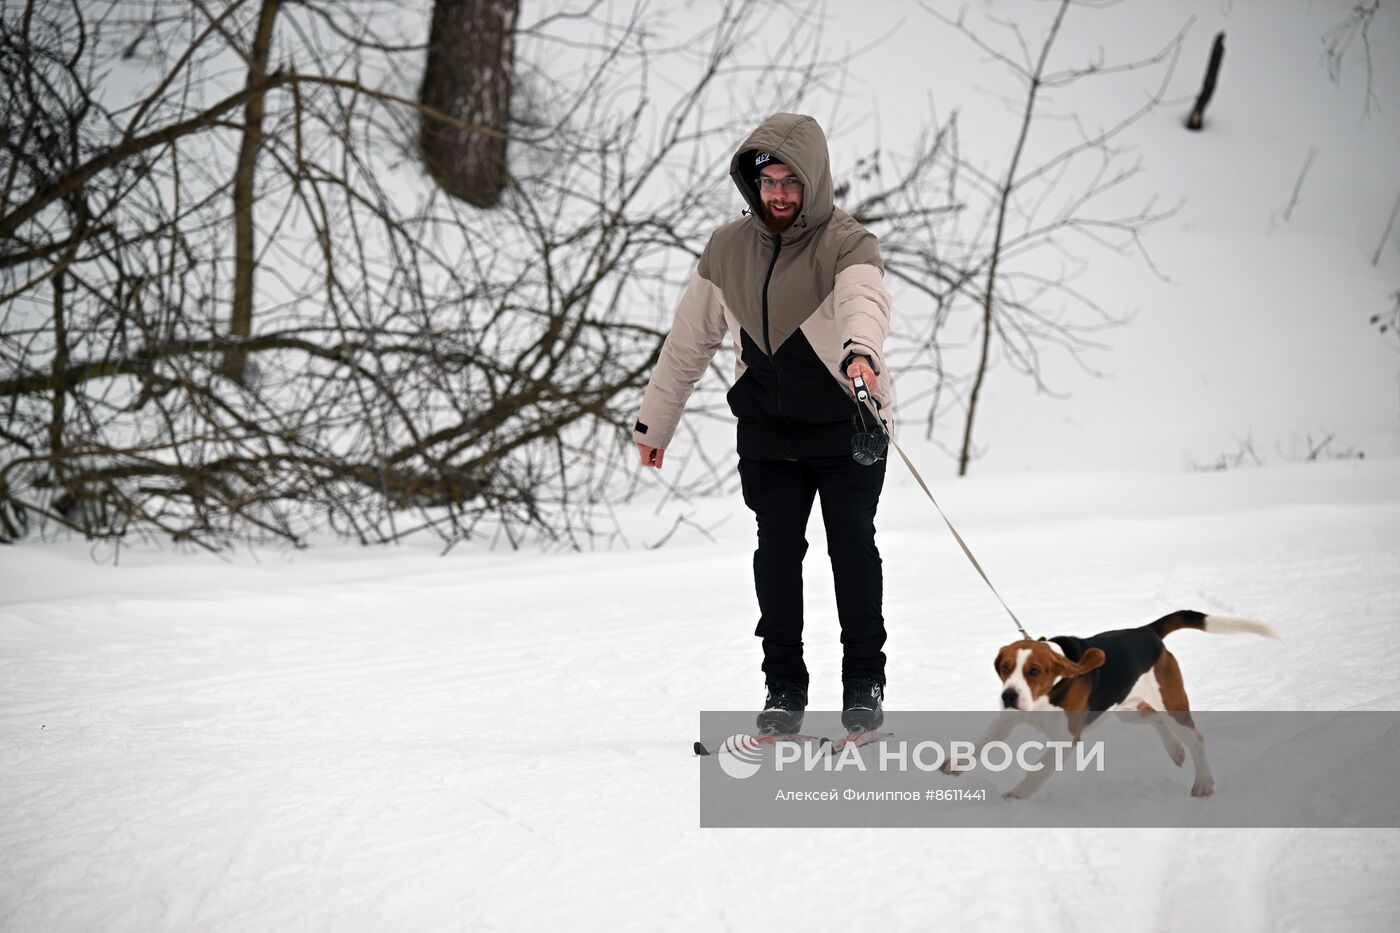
(767, 340)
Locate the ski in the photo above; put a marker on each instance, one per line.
(858, 740)
(759, 741)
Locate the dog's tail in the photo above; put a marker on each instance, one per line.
(1216, 625)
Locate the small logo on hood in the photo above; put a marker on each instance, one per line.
(762, 159)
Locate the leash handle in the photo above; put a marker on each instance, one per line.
(862, 391)
(867, 402)
(862, 399)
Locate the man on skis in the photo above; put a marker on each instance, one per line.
(798, 286)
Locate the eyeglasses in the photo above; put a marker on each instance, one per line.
(791, 184)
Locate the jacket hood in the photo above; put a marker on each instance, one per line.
(798, 142)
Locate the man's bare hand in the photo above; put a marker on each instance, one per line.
(859, 367)
(651, 456)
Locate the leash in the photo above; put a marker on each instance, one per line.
(959, 538)
(863, 396)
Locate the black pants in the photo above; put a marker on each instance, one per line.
(780, 493)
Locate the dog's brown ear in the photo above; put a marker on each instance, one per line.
(1093, 658)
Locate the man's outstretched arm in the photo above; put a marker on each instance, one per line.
(862, 305)
(696, 335)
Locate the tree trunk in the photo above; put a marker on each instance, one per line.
(1003, 202)
(471, 58)
(60, 364)
(241, 320)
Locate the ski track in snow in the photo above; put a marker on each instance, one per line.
(426, 743)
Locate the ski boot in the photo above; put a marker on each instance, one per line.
(782, 709)
(862, 706)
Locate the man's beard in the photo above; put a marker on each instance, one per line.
(779, 223)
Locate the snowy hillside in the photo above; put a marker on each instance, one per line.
(1260, 330)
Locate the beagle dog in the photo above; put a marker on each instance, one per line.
(1124, 670)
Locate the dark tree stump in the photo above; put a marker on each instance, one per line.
(1198, 113)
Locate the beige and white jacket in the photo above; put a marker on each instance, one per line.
(796, 305)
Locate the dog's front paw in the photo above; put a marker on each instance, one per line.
(1203, 787)
(1014, 794)
(948, 769)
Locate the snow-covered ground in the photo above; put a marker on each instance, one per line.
(351, 739)
(370, 740)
